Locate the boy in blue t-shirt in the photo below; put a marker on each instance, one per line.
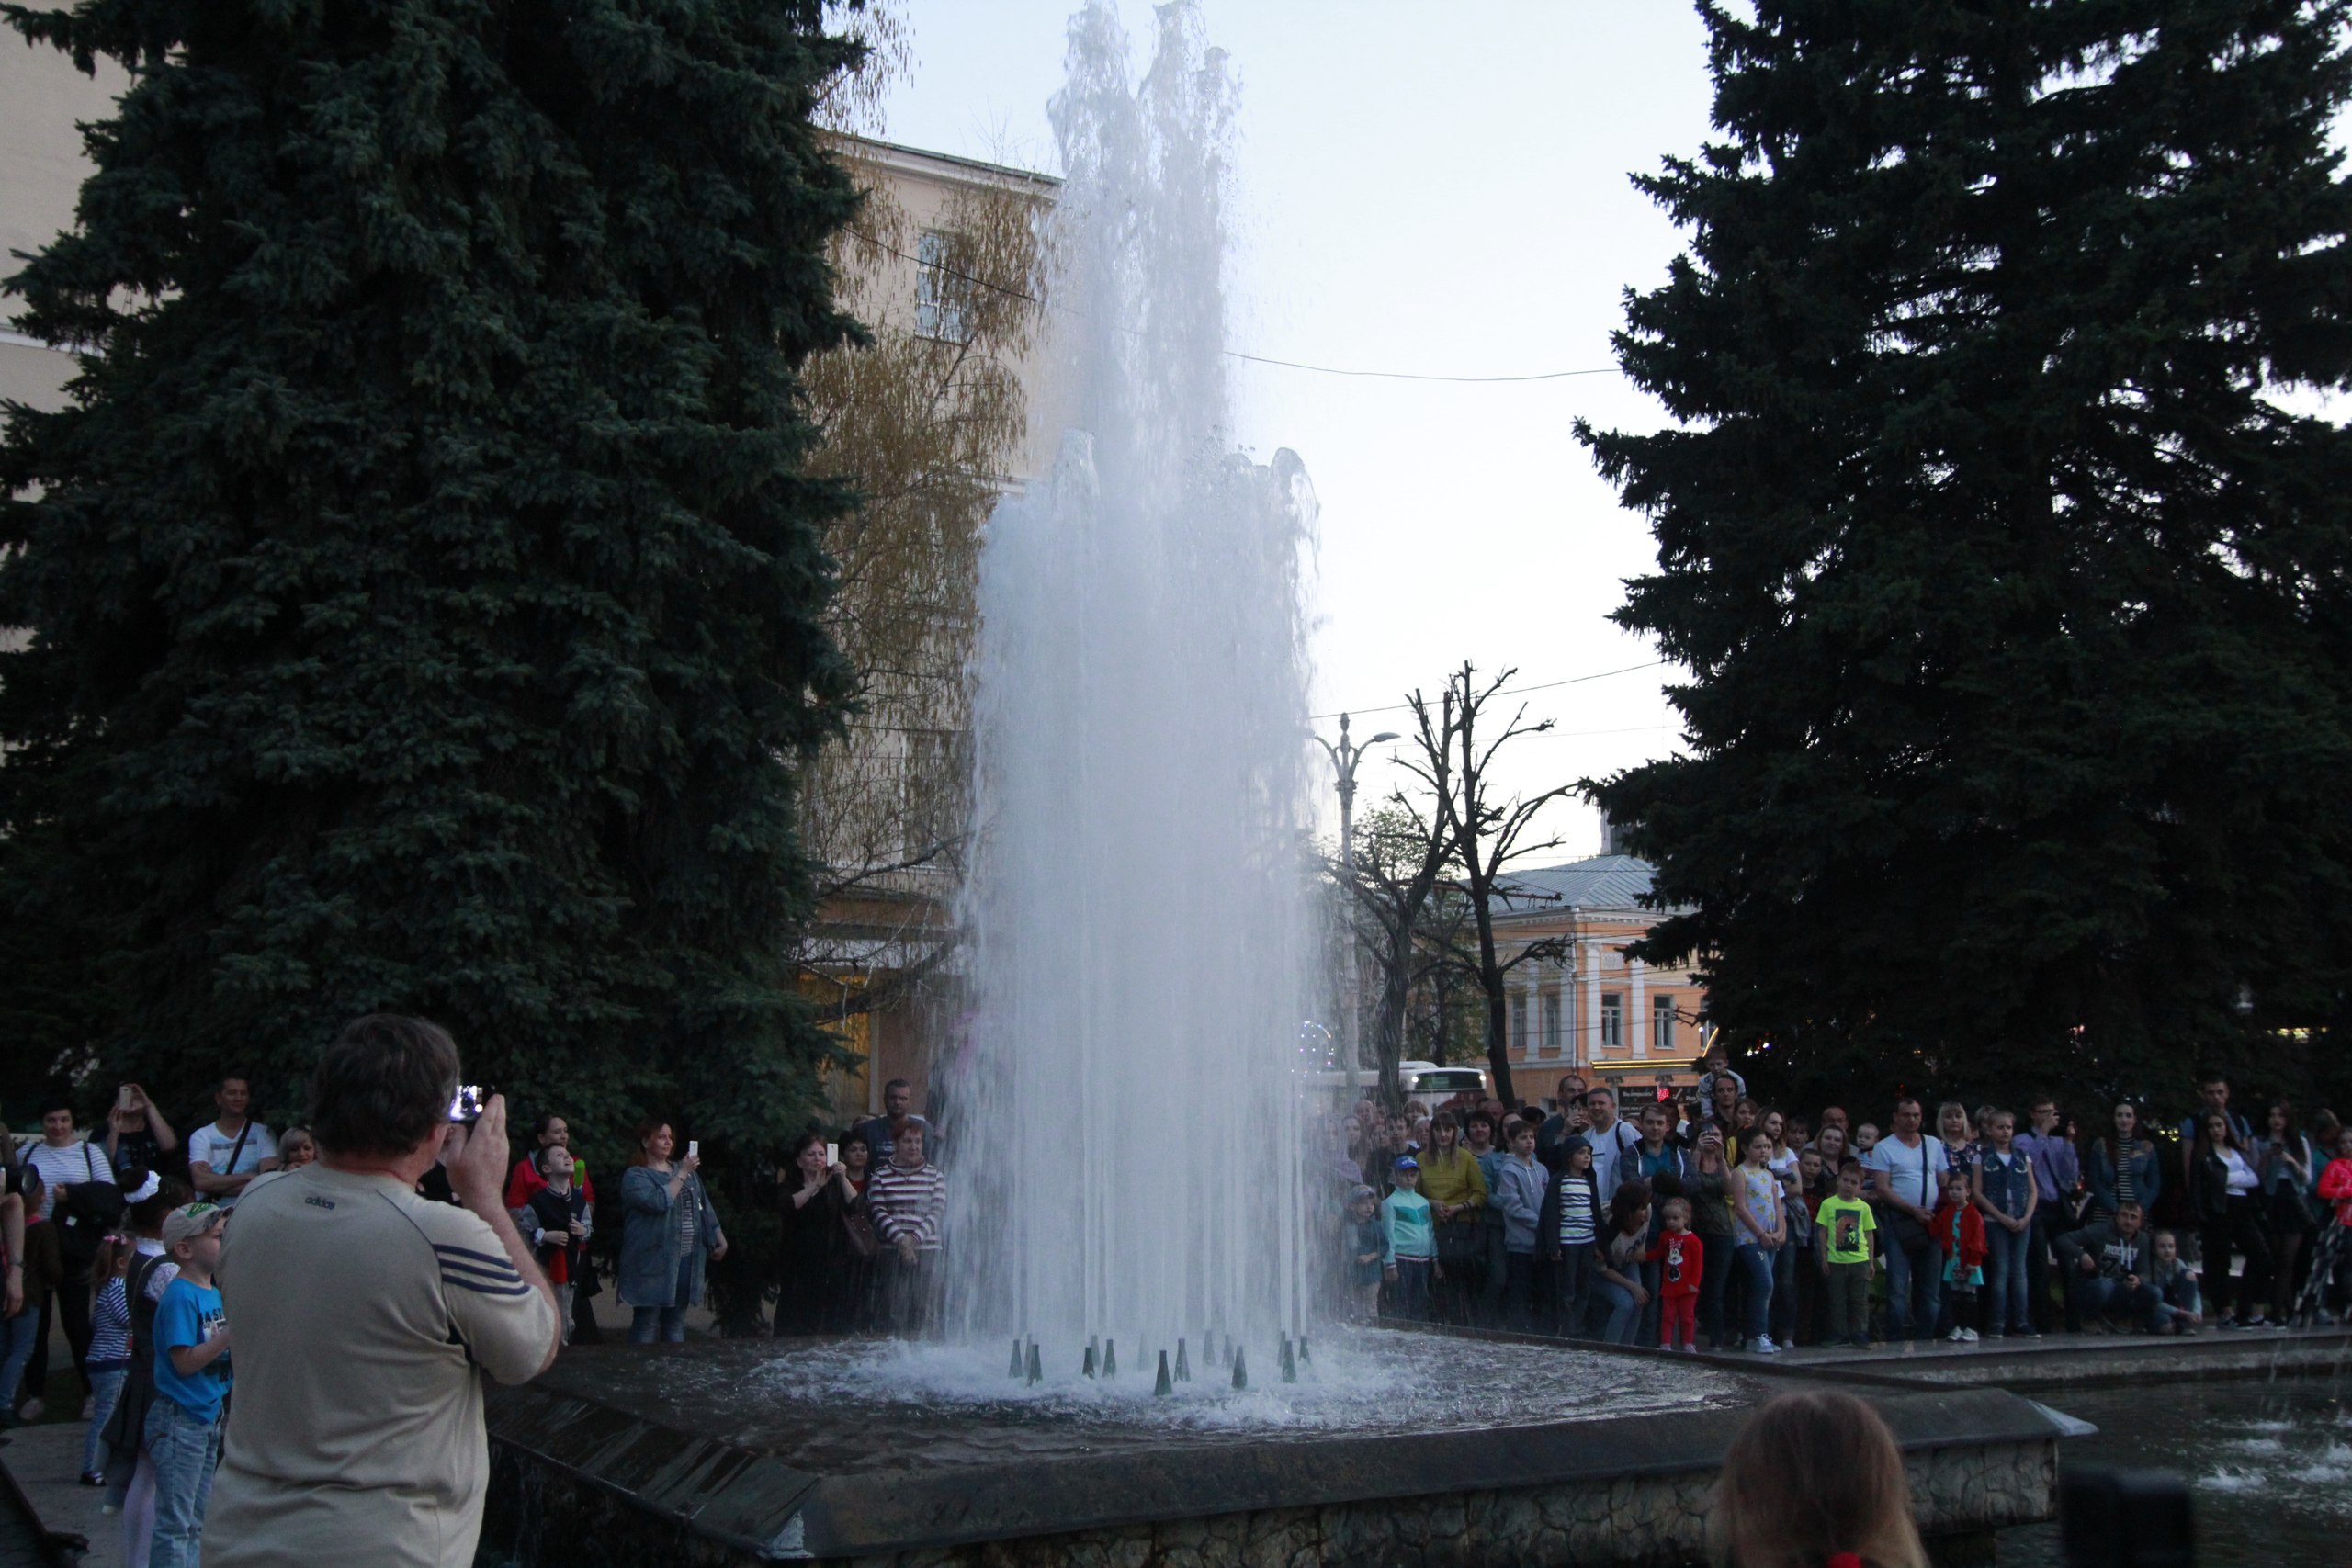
(191, 1381)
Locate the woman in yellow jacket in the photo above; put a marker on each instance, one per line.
(1456, 1190)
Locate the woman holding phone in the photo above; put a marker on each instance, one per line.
(668, 1229)
(812, 1194)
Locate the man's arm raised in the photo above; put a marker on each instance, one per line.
(475, 1158)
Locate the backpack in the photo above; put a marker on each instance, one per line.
(86, 1212)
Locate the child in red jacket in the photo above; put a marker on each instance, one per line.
(1682, 1259)
(1960, 1231)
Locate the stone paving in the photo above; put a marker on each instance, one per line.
(46, 1459)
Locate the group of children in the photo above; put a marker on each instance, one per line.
(158, 1367)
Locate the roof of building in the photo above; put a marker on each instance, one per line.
(1604, 882)
(980, 169)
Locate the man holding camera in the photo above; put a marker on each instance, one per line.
(366, 1318)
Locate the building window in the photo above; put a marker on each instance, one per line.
(943, 291)
(1662, 1026)
(1518, 1020)
(1551, 1023)
(1613, 1021)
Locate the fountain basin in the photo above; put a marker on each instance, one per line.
(747, 1452)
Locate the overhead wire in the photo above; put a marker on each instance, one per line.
(1508, 691)
(1025, 295)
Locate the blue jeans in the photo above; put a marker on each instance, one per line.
(668, 1321)
(1625, 1317)
(184, 1451)
(2006, 1272)
(16, 1337)
(1915, 1289)
(105, 1387)
(2099, 1297)
(1756, 1263)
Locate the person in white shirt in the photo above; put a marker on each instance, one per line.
(66, 1161)
(1609, 1135)
(223, 1156)
(1908, 1166)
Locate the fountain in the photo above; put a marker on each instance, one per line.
(1123, 1148)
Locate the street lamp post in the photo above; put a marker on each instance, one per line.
(1344, 757)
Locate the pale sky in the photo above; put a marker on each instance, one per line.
(1440, 190)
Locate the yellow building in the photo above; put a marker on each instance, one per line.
(1595, 1011)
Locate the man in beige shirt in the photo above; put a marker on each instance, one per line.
(366, 1317)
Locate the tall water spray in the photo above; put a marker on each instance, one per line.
(1128, 1139)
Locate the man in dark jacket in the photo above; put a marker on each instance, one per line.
(2110, 1268)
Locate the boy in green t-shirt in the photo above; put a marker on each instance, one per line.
(1847, 1225)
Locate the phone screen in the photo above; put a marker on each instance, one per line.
(832, 1153)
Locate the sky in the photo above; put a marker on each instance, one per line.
(1437, 190)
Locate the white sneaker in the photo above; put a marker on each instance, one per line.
(1969, 1334)
(1956, 1337)
(32, 1410)
(1764, 1346)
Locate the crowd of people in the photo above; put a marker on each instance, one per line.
(123, 1237)
(1707, 1221)
(1712, 1220)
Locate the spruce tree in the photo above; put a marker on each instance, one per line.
(423, 580)
(2000, 539)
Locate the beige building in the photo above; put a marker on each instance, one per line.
(1596, 1010)
(888, 920)
(41, 168)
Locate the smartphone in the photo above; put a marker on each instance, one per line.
(122, 1099)
(833, 1154)
(466, 1104)
(694, 1148)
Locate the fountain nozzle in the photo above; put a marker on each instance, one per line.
(1241, 1368)
(1166, 1385)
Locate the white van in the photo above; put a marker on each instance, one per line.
(1426, 1084)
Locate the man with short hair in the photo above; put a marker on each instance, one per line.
(1611, 1136)
(2110, 1268)
(225, 1156)
(366, 1317)
(2057, 1172)
(1568, 1122)
(881, 1133)
(1908, 1166)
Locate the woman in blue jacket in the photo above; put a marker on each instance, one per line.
(668, 1229)
(2120, 1165)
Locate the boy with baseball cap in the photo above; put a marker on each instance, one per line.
(191, 1383)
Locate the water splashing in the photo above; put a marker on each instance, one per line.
(1127, 1134)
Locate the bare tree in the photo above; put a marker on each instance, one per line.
(1486, 834)
(1405, 850)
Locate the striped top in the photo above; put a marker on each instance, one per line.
(908, 1202)
(110, 1327)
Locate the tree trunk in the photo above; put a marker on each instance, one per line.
(1490, 980)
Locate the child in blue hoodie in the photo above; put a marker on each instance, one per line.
(1411, 1261)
